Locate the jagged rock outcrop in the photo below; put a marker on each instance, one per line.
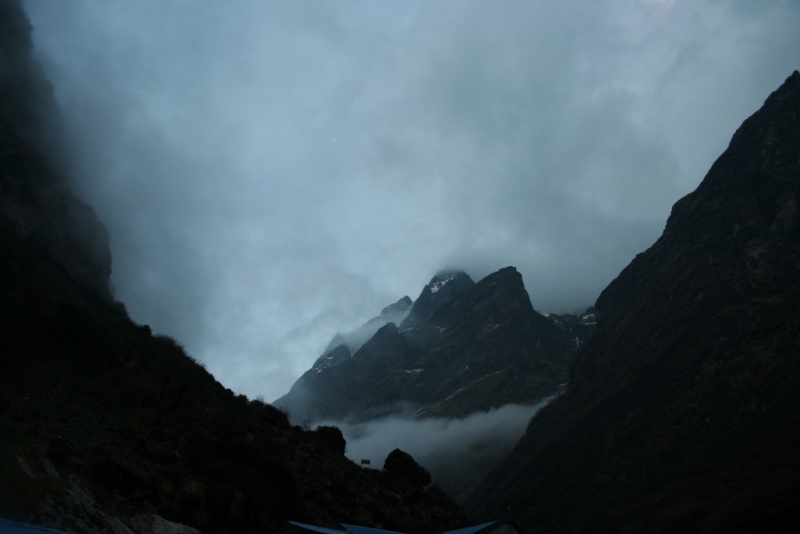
(350, 342)
(393, 312)
(444, 287)
(580, 326)
(488, 348)
(34, 199)
(683, 410)
(334, 357)
(483, 347)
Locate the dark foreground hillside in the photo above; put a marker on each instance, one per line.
(102, 424)
(105, 428)
(683, 410)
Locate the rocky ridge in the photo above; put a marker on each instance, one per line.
(342, 346)
(481, 346)
(683, 410)
(444, 287)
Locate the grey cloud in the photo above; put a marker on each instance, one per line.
(272, 173)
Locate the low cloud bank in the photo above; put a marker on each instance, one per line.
(457, 452)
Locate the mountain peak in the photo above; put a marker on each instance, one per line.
(445, 286)
(391, 312)
(447, 273)
(509, 273)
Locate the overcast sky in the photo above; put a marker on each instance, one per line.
(274, 172)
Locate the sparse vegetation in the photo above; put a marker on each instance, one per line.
(133, 421)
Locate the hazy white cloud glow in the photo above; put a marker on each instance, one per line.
(454, 450)
(274, 172)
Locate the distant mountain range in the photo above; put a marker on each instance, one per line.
(681, 413)
(461, 348)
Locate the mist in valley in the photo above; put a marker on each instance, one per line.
(270, 175)
(457, 452)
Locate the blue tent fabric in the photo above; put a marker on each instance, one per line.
(354, 529)
(12, 527)
(473, 529)
(321, 530)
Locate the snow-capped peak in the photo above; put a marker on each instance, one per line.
(439, 283)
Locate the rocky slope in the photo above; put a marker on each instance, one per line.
(683, 410)
(34, 199)
(579, 326)
(342, 346)
(105, 428)
(443, 288)
(464, 347)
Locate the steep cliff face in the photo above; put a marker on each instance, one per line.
(443, 288)
(34, 199)
(488, 348)
(342, 346)
(683, 410)
(482, 346)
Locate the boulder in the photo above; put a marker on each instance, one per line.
(403, 464)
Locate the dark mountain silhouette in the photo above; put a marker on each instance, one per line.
(683, 410)
(105, 428)
(34, 199)
(342, 346)
(479, 347)
(402, 464)
(580, 326)
(444, 287)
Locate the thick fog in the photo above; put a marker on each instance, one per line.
(456, 451)
(274, 172)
